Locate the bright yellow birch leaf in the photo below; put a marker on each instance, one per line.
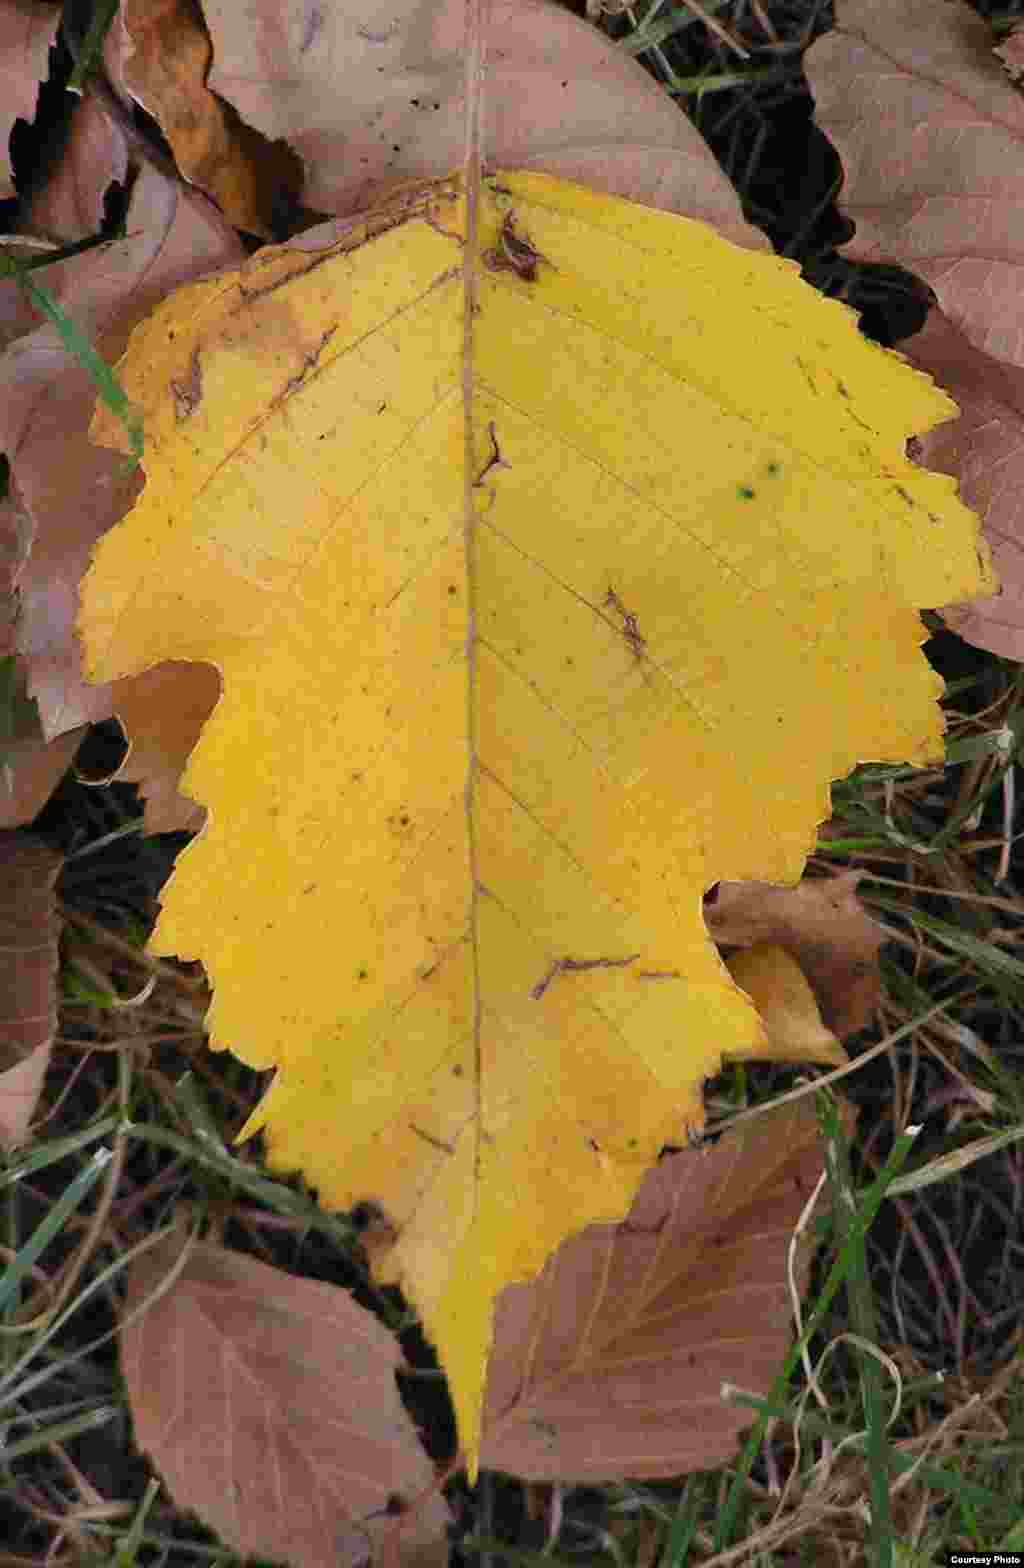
(534, 619)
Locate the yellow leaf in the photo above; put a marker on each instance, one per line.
(776, 985)
(546, 590)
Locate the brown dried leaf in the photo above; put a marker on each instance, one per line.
(66, 491)
(928, 127)
(27, 32)
(369, 99)
(610, 1363)
(30, 770)
(268, 1404)
(162, 712)
(159, 50)
(984, 450)
(823, 925)
(30, 766)
(29, 933)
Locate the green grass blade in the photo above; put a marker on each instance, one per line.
(73, 1195)
(869, 1202)
(106, 383)
(57, 1149)
(862, 1314)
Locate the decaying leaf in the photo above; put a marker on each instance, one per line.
(268, 1404)
(162, 711)
(369, 101)
(27, 33)
(69, 490)
(984, 451)
(928, 127)
(160, 51)
(30, 765)
(610, 1364)
(506, 682)
(823, 925)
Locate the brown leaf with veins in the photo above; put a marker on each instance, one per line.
(823, 925)
(928, 127)
(610, 1364)
(371, 98)
(269, 1406)
(984, 450)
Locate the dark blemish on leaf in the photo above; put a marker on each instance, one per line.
(841, 389)
(188, 394)
(592, 1143)
(415, 102)
(494, 461)
(773, 468)
(452, 588)
(630, 629)
(513, 253)
(457, 1071)
(691, 1360)
(658, 974)
(905, 494)
(381, 407)
(435, 1143)
(310, 887)
(570, 661)
(362, 974)
(574, 966)
(745, 492)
